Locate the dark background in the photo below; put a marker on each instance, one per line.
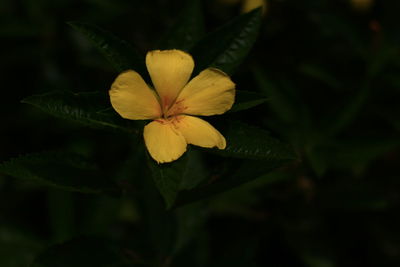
(332, 74)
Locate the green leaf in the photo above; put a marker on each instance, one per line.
(79, 252)
(187, 30)
(350, 111)
(90, 108)
(226, 47)
(278, 100)
(262, 154)
(352, 153)
(196, 170)
(190, 223)
(316, 158)
(349, 154)
(17, 247)
(339, 28)
(240, 199)
(168, 177)
(239, 172)
(118, 52)
(248, 142)
(291, 116)
(318, 73)
(246, 100)
(66, 171)
(184, 174)
(61, 214)
(243, 142)
(391, 115)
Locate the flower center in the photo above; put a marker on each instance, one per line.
(172, 109)
(173, 120)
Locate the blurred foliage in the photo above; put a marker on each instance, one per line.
(310, 175)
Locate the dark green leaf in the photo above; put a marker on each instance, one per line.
(291, 115)
(278, 100)
(241, 171)
(190, 222)
(390, 115)
(339, 28)
(187, 30)
(349, 112)
(17, 247)
(118, 52)
(245, 100)
(239, 255)
(196, 170)
(80, 252)
(348, 154)
(318, 73)
(244, 142)
(90, 108)
(377, 62)
(248, 142)
(61, 214)
(358, 152)
(67, 171)
(184, 174)
(240, 199)
(316, 158)
(227, 47)
(168, 177)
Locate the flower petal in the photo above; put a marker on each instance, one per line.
(199, 132)
(163, 141)
(132, 98)
(211, 92)
(249, 5)
(169, 70)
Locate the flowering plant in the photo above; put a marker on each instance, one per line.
(154, 111)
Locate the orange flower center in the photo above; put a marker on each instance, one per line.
(174, 120)
(172, 108)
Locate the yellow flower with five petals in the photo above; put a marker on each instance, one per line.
(173, 102)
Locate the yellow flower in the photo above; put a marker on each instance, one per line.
(173, 102)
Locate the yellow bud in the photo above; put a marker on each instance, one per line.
(248, 5)
(362, 5)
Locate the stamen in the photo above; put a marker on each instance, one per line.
(177, 108)
(160, 121)
(175, 120)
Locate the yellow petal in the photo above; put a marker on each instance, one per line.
(132, 98)
(199, 132)
(163, 141)
(169, 70)
(249, 5)
(209, 93)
